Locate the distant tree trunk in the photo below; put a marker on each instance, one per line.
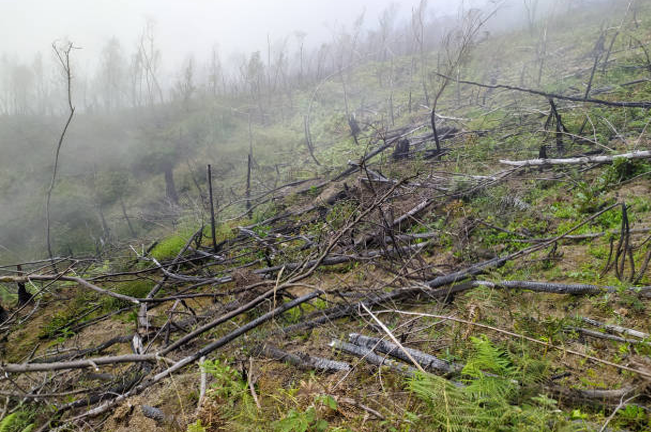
(64, 59)
(212, 210)
(126, 217)
(23, 295)
(249, 213)
(401, 150)
(170, 188)
(105, 229)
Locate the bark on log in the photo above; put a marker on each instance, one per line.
(558, 288)
(77, 364)
(616, 328)
(371, 357)
(80, 281)
(644, 154)
(349, 309)
(599, 335)
(203, 352)
(428, 362)
(301, 360)
(99, 348)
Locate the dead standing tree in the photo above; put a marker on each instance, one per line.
(456, 46)
(63, 56)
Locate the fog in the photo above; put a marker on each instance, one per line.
(160, 88)
(183, 27)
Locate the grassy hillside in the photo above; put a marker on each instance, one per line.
(512, 277)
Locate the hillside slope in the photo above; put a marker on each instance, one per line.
(494, 296)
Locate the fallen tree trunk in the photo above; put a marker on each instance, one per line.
(203, 352)
(645, 154)
(428, 362)
(616, 328)
(301, 360)
(80, 281)
(558, 288)
(371, 357)
(77, 364)
(599, 335)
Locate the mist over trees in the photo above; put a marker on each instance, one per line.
(156, 125)
(187, 235)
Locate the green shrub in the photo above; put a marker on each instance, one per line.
(137, 289)
(19, 421)
(168, 248)
(68, 316)
(494, 385)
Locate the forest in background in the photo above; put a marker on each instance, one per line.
(448, 236)
(134, 156)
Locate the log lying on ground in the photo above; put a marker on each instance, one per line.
(301, 360)
(82, 352)
(427, 289)
(428, 362)
(204, 352)
(582, 236)
(645, 154)
(77, 364)
(559, 288)
(371, 357)
(80, 281)
(616, 328)
(328, 261)
(452, 278)
(134, 358)
(600, 335)
(397, 223)
(593, 395)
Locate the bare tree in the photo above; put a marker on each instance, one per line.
(149, 60)
(111, 75)
(418, 29)
(530, 9)
(63, 56)
(456, 46)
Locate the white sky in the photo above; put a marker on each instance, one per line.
(182, 26)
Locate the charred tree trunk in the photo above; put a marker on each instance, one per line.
(437, 141)
(354, 127)
(212, 210)
(126, 217)
(401, 150)
(23, 295)
(248, 187)
(170, 188)
(106, 232)
(560, 127)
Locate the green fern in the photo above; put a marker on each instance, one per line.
(19, 421)
(237, 406)
(490, 372)
(487, 401)
(196, 427)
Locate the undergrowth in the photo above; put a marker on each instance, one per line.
(494, 395)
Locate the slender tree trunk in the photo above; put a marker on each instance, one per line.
(170, 188)
(23, 295)
(212, 210)
(248, 188)
(105, 229)
(64, 59)
(126, 217)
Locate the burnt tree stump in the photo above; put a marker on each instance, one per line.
(401, 150)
